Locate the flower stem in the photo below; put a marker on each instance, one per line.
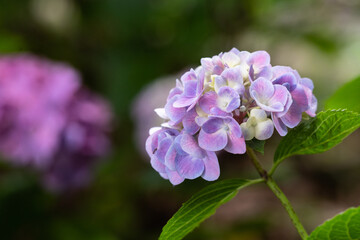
(278, 193)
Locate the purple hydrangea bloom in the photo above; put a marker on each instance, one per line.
(49, 122)
(232, 97)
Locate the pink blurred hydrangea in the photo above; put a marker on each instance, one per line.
(230, 98)
(50, 122)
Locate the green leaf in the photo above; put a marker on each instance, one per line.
(317, 135)
(257, 145)
(201, 206)
(345, 226)
(346, 97)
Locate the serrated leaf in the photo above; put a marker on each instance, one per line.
(201, 206)
(345, 226)
(257, 145)
(346, 97)
(317, 135)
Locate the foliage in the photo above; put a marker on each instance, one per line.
(345, 226)
(201, 206)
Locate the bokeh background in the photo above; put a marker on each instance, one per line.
(130, 52)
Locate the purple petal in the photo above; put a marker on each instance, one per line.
(188, 76)
(299, 96)
(307, 82)
(313, 107)
(262, 89)
(213, 125)
(293, 117)
(189, 145)
(281, 70)
(213, 142)
(281, 96)
(190, 89)
(264, 72)
(212, 168)
(175, 114)
(157, 165)
(219, 82)
(279, 125)
(259, 58)
(288, 80)
(236, 143)
(208, 101)
(170, 157)
(183, 101)
(189, 123)
(162, 149)
(189, 167)
(174, 177)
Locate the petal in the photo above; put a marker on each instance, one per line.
(247, 131)
(213, 142)
(183, 101)
(164, 146)
(188, 76)
(293, 117)
(279, 99)
(213, 125)
(279, 125)
(189, 123)
(170, 157)
(219, 82)
(175, 114)
(264, 130)
(232, 74)
(313, 107)
(228, 99)
(262, 90)
(157, 165)
(207, 64)
(259, 114)
(161, 113)
(299, 96)
(212, 168)
(231, 59)
(307, 82)
(264, 72)
(236, 143)
(190, 89)
(174, 177)
(259, 58)
(189, 145)
(280, 70)
(189, 167)
(288, 80)
(208, 101)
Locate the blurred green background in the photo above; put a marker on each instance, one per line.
(122, 46)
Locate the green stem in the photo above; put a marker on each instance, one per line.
(278, 193)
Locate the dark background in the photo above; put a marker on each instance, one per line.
(121, 47)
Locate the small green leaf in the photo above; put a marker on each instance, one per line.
(345, 226)
(201, 206)
(317, 135)
(346, 97)
(257, 145)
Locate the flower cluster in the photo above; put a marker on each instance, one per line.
(49, 121)
(230, 98)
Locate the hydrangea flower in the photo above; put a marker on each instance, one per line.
(50, 122)
(230, 98)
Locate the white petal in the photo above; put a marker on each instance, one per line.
(153, 130)
(161, 113)
(248, 132)
(264, 130)
(259, 114)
